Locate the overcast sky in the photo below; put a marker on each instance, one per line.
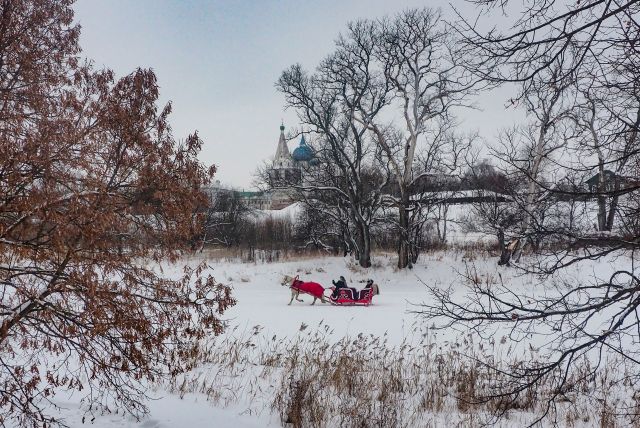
(217, 61)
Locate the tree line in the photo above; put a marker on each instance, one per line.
(382, 109)
(382, 113)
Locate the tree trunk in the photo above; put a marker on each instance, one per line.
(505, 254)
(445, 210)
(602, 213)
(609, 217)
(364, 254)
(415, 246)
(602, 202)
(403, 246)
(612, 211)
(365, 257)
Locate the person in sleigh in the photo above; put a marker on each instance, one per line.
(370, 286)
(342, 283)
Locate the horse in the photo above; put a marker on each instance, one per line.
(312, 288)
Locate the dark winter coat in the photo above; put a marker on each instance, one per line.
(340, 284)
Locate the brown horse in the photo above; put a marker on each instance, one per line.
(312, 288)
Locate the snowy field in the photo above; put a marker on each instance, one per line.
(262, 317)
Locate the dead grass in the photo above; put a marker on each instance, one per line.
(252, 255)
(310, 381)
(380, 258)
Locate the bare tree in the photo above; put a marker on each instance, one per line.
(226, 219)
(493, 210)
(439, 167)
(590, 46)
(425, 76)
(315, 229)
(530, 152)
(543, 32)
(600, 152)
(346, 82)
(406, 64)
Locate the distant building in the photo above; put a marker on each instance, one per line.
(610, 178)
(256, 200)
(286, 170)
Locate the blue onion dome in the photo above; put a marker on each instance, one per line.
(303, 153)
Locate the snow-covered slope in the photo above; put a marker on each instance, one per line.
(262, 309)
(290, 212)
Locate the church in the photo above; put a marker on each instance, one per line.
(286, 170)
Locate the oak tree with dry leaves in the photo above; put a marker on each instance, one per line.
(94, 193)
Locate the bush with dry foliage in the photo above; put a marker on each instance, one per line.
(92, 184)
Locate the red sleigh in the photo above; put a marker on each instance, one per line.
(341, 297)
(345, 297)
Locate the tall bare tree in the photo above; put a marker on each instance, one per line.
(226, 218)
(426, 80)
(344, 84)
(530, 151)
(493, 211)
(601, 150)
(598, 319)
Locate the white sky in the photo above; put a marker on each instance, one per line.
(217, 61)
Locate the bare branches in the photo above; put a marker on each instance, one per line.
(576, 321)
(338, 102)
(545, 32)
(573, 191)
(427, 81)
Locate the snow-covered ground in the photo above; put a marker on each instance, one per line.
(262, 310)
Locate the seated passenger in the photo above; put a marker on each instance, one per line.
(370, 286)
(342, 283)
(366, 287)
